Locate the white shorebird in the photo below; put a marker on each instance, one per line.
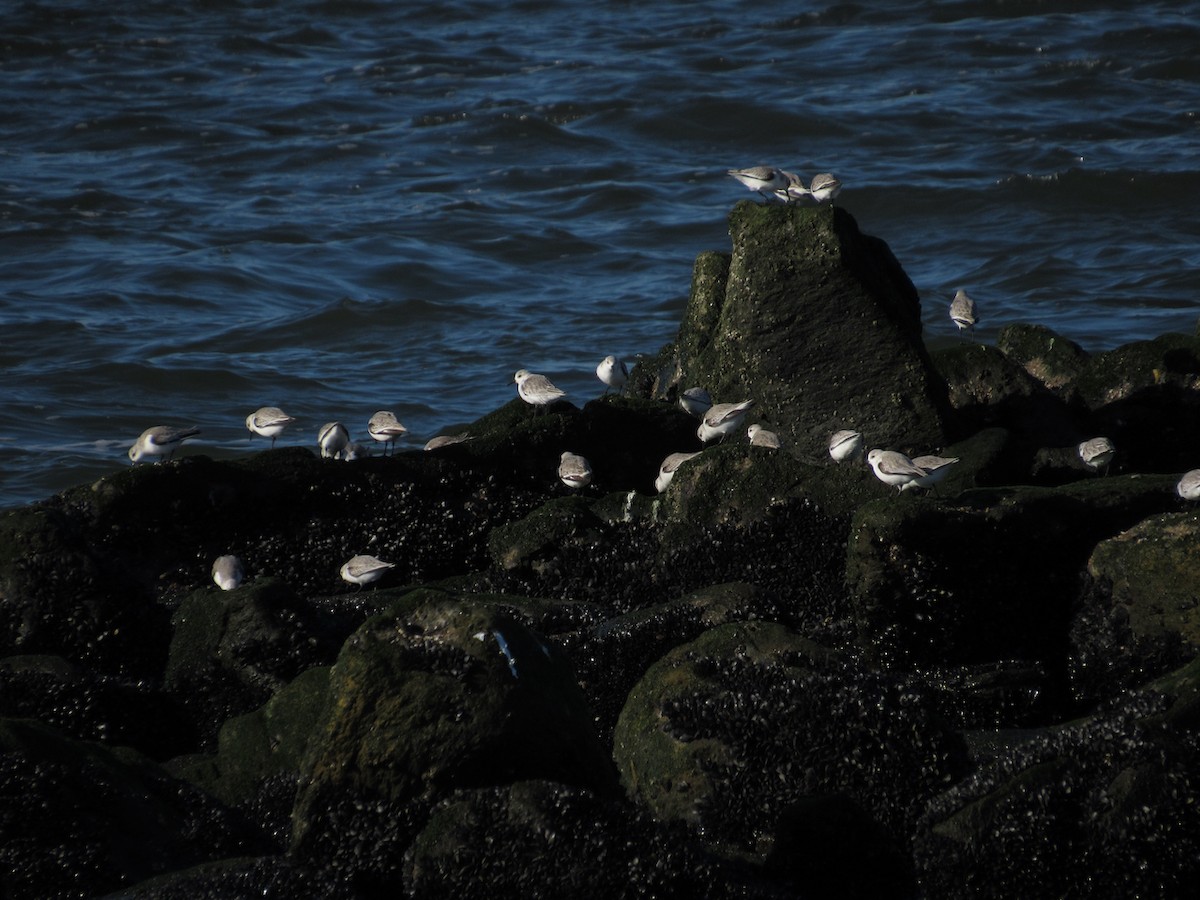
(332, 439)
(575, 471)
(760, 437)
(764, 180)
(695, 401)
(536, 390)
(353, 451)
(227, 572)
(364, 569)
(1097, 453)
(613, 373)
(667, 470)
(824, 187)
(161, 440)
(268, 422)
(446, 440)
(962, 311)
(894, 468)
(938, 468)
(1189, 485)
(845, 444)
(723, 419)
(385, 428)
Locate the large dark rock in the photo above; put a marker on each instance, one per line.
(818, 324)
(729, 731)
(992, 576)
(536, 840)
(1052, 359)
(1140, 615)
(452, 694)
(1100, 808)
(78, 819)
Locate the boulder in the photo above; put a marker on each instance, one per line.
(727, 732)
(451, 694)
(993, 575)
(818, 324)
(1140, 614)
(1052, 359)
(79, 819)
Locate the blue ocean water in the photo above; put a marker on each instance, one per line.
(338, 207)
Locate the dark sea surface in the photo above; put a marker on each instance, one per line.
(339, 207)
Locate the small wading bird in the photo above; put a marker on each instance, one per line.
(845, 444)
(894, 468)
(364, 569)
(332, 439)
(613, 373)
(764, 180)
(722, 420)
(160, 441)
(760, 437)
(268, 422)
(227, 572)
(1189, 485)
(385, 428)
(962, 312)
(938, 468)
(1097, 453)
(536, 390)
(574, 471)
(667, 470)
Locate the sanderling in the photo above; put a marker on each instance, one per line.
(824, 187)
(536, 390)
(894, 468)
(446, 440)
(227, 572)
(385, 428)
(268, 422)
(962, 311)
(1189, 485)
(612, 372)
(332, 438)
(760, 437)
(765, 180)
(797, 193)
(161, 440)
(794, 191)
(575, 471)
(845, 444)
(364, 569)
(1097, 453)
(723, 419)
(696, 401)
(667, 470)
(938, 468)
(353, 451)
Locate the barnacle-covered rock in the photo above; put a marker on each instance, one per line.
(421, 702)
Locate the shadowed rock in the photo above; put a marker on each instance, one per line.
(816, 322)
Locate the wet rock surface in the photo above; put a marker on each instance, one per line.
(778, 678)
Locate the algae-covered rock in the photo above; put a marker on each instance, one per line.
(536, 541)
(80, 819)
(730, 730)
(91, 706)
(1101, 808)
(452, 694)
(988, 389)
(1170, 359)
(1052, 359)
(1141, 613)
(830, 848)
(818, 324)
(545, 840)
(993, 575)
(268, 742)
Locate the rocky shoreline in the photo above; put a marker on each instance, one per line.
(779, 678)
